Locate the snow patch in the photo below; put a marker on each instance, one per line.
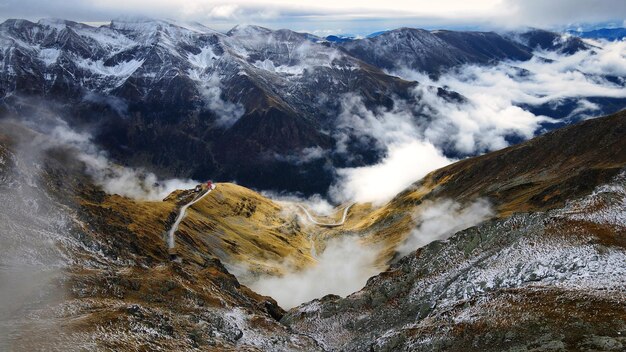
(203, 60)
(49, 56)
(122, 69)
(268, 65)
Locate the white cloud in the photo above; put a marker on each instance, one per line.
(223, 11)
(303, 156)
(353, 16)
(495, 93)
(559, 12)
(227, 113)
(404, 164)
(408, 155)
(343, 268)
(116, 179)
(477, 126)
(440, 219)
(315, 203)
(414, 140)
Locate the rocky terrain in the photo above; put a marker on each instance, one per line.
(91, 270)
(533, 281)
(187, 101)
(518, 249)
(547, 273)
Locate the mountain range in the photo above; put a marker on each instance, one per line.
(543, 269)
(602, 33)
(509, 234)
(254, 105)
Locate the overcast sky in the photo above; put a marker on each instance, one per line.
(333, 16)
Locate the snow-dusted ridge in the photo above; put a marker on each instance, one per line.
(103, 58)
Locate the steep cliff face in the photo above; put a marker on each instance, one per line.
(170, 93)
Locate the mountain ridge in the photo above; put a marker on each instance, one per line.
(190, 101)
(121, 282)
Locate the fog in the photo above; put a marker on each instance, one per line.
(316, 203)
(343, 268)
(346, 263)
(135, 183)
(404, 164)
(409, 156)
(34, 233)
(417, 139)
(210, 87)
(438, 220)
(113, 178)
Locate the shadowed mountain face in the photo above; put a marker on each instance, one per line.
(253, 105)
(545, 40)
(91, 270)
(435, 51)
(191, 101)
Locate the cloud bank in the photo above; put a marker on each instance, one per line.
(343, 268)
(498, 109)
(440, 219)
(404, 164)
(352, 16)
(113, 178)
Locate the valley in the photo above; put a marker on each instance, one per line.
(407, 189)
(120, 269)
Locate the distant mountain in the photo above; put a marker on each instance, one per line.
(254, 105)
(545, 40)
(602, 33)
(192, 101)
(339, 38)
(372, 35)
(434, 51)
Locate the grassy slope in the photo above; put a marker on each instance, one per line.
(537, 175)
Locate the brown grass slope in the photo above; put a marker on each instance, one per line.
(536, 175)
(120, 291)
(523, 281)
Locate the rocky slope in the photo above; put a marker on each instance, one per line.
(245, 101)
(91, 270)
(546, 273)
(254, 105)
(83, 269)
(531, 281)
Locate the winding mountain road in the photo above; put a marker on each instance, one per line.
(311, 219)
(171, 234)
